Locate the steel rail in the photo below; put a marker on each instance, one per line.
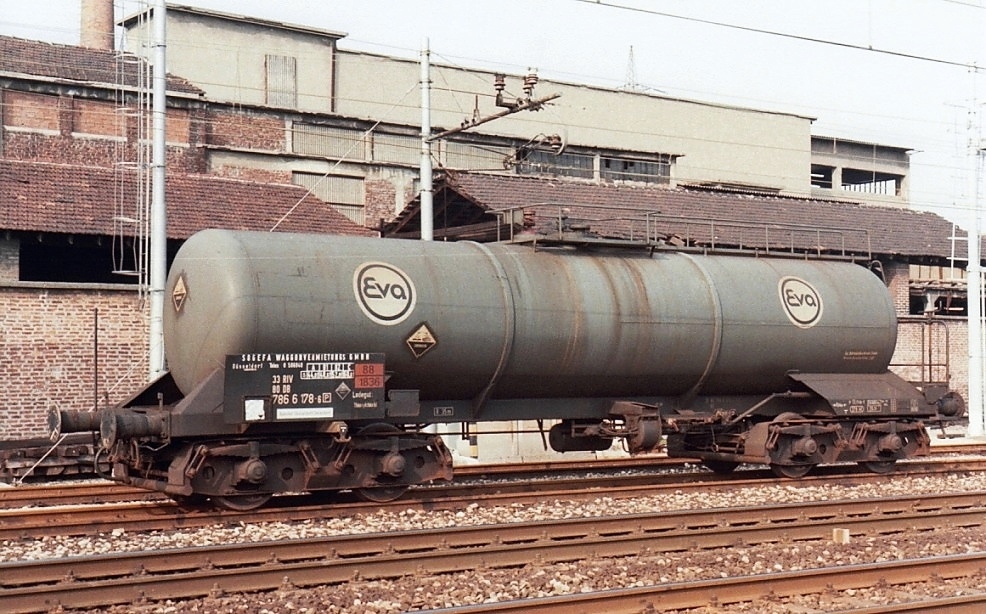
(761, 586)
(69, 493)
(94, 581)
(32, 522)
(960, 604)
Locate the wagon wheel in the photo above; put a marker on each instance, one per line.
(790, 471)
(722, 467)
(381, 494)
(190, 502)
(879, 466)
(241, 503)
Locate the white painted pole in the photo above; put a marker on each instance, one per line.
(974, 302)
(158, 221)
(427, 209)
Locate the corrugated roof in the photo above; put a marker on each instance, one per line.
(40, 197)
(884, 230)
(71, 63)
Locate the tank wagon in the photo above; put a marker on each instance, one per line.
(303, 362)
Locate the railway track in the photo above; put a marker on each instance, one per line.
(184, 573)
(944, 458)
(61, 490)
(102, 491)
(163, 514)
(772, 587)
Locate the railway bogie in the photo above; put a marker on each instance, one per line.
(315, 363)
(244, 472)
(39, 459)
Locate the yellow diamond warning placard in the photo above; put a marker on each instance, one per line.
(421, 340)
(180, 293)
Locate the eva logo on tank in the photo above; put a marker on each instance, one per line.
(801, 302)
(384, 292)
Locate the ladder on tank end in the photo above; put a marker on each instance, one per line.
(931, 373)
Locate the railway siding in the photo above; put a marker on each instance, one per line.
(183, 573)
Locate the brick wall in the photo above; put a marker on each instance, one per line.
(30, 110)
(68, 130)
(99, 117)
(247, 130)
(243, 173)
(381, 198)
(60, 150)
(897, 275)
(46, 357)
(90, 132)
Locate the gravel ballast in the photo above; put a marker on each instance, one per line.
(484, 586)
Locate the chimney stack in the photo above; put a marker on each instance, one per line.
(97, 24)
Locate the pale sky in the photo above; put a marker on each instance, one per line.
(895, 72)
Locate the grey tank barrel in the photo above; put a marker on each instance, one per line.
(464, 320)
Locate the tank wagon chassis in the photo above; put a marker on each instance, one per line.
(312, 363)
(159, 447)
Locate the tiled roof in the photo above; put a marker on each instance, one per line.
(882, 230)
(18, 55)
(39, 197)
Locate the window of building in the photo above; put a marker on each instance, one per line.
(856, 180)
(939, 304)
(476, 157)
(396, 148)
(282, 81)
(940, 290)
(630, 169)
(345, 194)
(329, 142)
(821, 176)
(545, 162)
(79, 260)
(871, 182)
(540, 161)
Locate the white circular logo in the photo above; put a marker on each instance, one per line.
(384, 292)
(801, 301)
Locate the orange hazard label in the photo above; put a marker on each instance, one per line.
(368, 381)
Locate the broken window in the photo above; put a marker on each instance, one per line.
(871, 182)
(821, 176)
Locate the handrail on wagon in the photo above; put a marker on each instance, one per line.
(615, 225)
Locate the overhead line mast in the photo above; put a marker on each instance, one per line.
(158, 230)
(527, 103)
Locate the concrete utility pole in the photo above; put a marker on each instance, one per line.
(974, 295)
(527, 103)
(427, 193)
(158, 230)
